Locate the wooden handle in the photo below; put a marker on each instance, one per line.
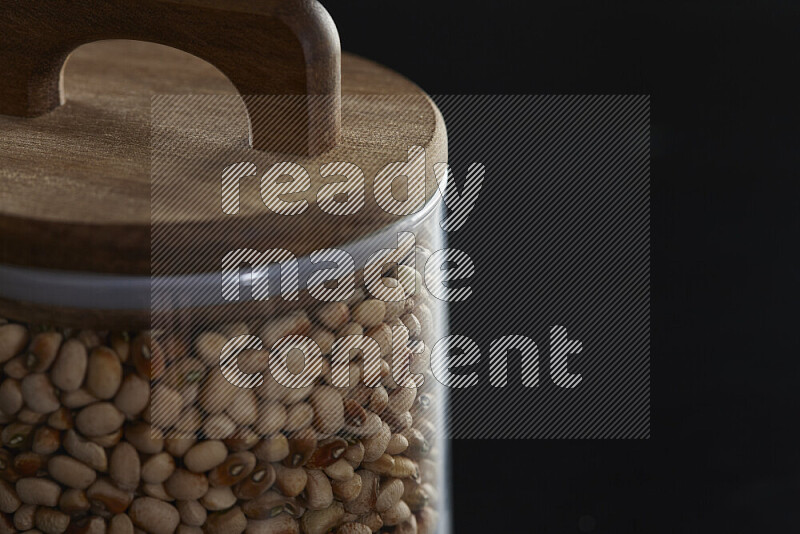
(265, 47)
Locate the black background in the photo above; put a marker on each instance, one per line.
(723, 456)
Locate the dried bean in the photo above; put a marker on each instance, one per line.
(39, 394)
(39, 491)
(184, 485)
(218, 498)
(319, 494)
(347, 490)
(232, 521)
(73, 501)
(70, 472)
(120, 524)
(9, 502)
(192, 513)
(290, 480)
(158, 468)
(13, 338)
(281, 524)
(69, 369)
(235, 468)
(10, 396)
(272, 449)
(99, 419)
(25, 517)
(124, 466)
(154, 516)
(321, 521)
(51, 521)
(42, 351)
(105, 497)
(133, 395)
(205, 455)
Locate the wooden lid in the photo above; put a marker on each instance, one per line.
(75, 181)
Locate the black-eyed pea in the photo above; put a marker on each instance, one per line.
(51, 521)
(409, 526)
(243, 440)
(205, 455)
(16, 367)
(187, 529)
(401, 400)
(158, 468)
(382, 334)
(290, 480)
(38, 491)
(219, 426)
(398, 422)
(191, 420)
(99, 419)
(88, 525)
(412, 324)
(107, 499)
(350, 329)
(354, 454)
(29, 417)
(397, 514)
(70, 472)
(298, 417)
(184, 485)
(13, 339)
(16, 435)
(272, 504)
(39, 394)
(43, 351)
(73, 502)
(296, 323)
(154, 516)
(109, 440)
(369, 313)
(208, 347)
(347, 490)
(9, 502)
(257, 483)
(218, 498)
(61, 419)
(328, 409)
(415, 495)
(318, 492)
(333, 315)
(418, 446)
(69, 369)
(232, 521)
(156, 491)
(321, 521)
(427, 520)
(125, 467)
(121, 343)
(372, 520)
(90, 338)
(375, 444)
(327, 452)
(379, 399)
(146, 356)
(10, 396)
(133, 395)
(192, 513)
(281, 524)
(234, 469)
(243, 407)
(389, 493)
(354, 528)
(146, 439)
(177, 447)
(87, 452)
(302, 445)
(77, 399)
(272, 449)
(339, 470)
(120, 524)
(397, 444)
(28, 464)
(24, 517)
(364, 502)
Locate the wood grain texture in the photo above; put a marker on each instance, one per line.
(265, 47)
(75, 183)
